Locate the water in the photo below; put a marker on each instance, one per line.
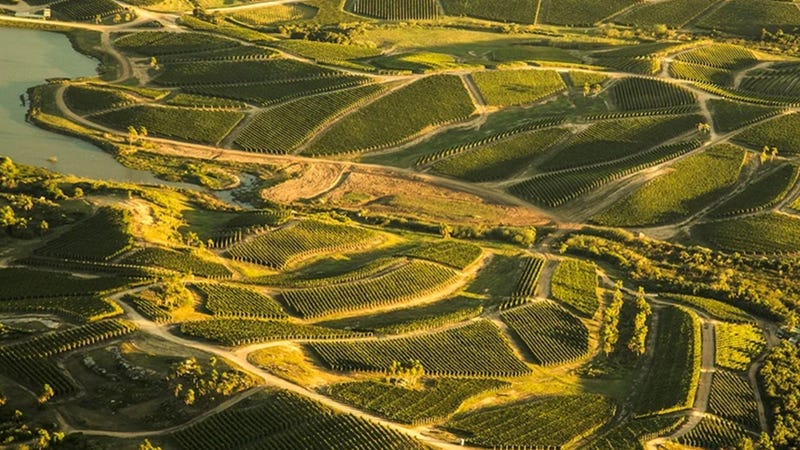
(27, 58)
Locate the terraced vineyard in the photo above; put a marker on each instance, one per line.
(474, 350)
(276, 418)
(274, 131)
(414, 280)
(551, 334)
(226, 300)
(410, 109)
(676, 195)
(397, 10)
(57, 342)
(574, 283)
(672, 380)
(436, 400)
(236, 332)
(290, 244)
(568, 419)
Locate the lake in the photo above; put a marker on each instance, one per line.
(28, 58)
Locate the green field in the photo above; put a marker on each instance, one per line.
(517, 87)
(680, 193)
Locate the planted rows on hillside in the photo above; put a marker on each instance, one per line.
(574, 283)
(551, 334)
(235, 332)
(227, 300)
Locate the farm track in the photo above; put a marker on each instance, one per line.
(268, 379)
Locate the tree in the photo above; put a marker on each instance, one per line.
(146, 445)
(773, 152)
(764, 154)
(3, 398)
(407, 375)
(587, 89)
(46, 394)
(791, 321)
(609, 329)
(638, 342)
(133, 135)
(189, 397)
(43, 227)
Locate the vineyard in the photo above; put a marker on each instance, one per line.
(435, 401)
(397, 9)
(613, 139)
(763, 234)
(180, 261)
(431, 101)
(89, 100)
(632, 94)
(556, 188)
(693, 182)
(528, 283)
(713, 432)
(57, 342)
(275, 131)
(90, 308)
(577, 13)
(522, 11)
(474, 350)
(275, 14)
(632, 433)
(413, 280)
(730, 116)
(21, 284)
(236, 332)
(574, 283)
(774, 133)
(500, 159)
(777, 80)
(732, 399)
(279, 420)
(538, 423)
(737, 345)
(763, 193)
(517, 87)
(455, 254)
(701, 73)
(715, 308)
(671, 382)
(232, 301)
(211, 73)
(409, 320)
(193, 125)
(85, 10)
(161, 43)
(551, 334)
(721, 56)
(749, 17)
(293, 243)
(275, 92)
(672, 13)
(101, 237)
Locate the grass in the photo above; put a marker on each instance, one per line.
(762, 234)
(691, 184)
(517, 87)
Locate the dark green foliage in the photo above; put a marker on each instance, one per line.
(235, 332)
(85, 10)
(730, 116)
(101, 237)
(574, 283)
(436, 400)
(409, 320)
(207, 127)
(281, 420)
(474, 350)
(715, 308)
(543, 421)
(21, 284)
(458, 255)
(643, 93)
(415, 279)
(763, 193)
(767, 233)
(232, 301)
(671, 382)
(62, 341)
(390, 120)
(613, 139)
(89, 100)
(778, 132)
(282, 247)
(551, 334)
(782, 387)
(266, 94)
(522, 11)
(181, 261)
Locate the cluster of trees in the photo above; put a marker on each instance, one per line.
(768, 154)
(781, 381)
(405, 374)
(15, 428)
(343, 33)
(191, 381)
(609, 329)
(638, 343)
